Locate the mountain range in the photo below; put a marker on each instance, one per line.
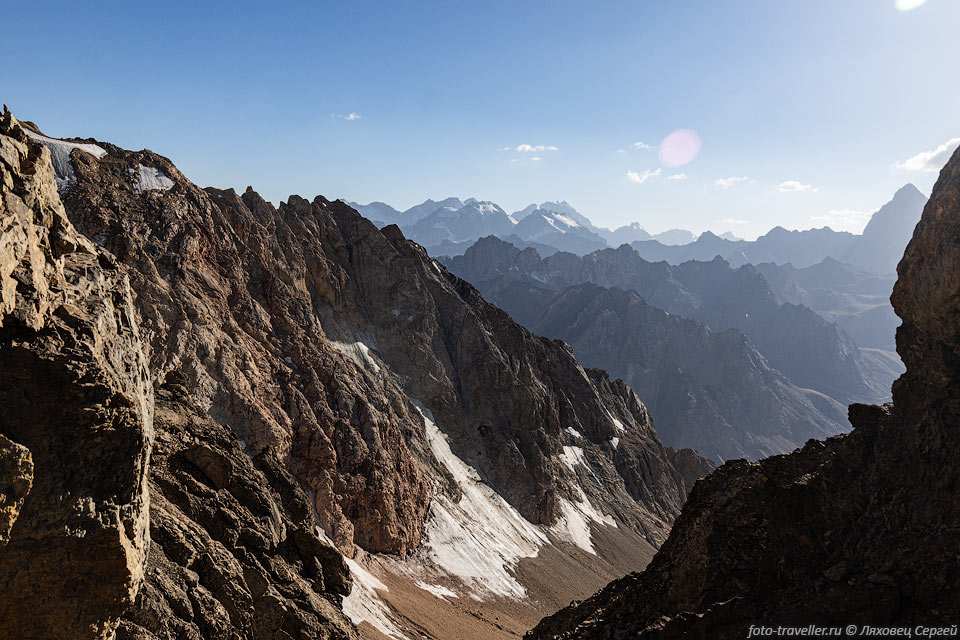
(724, 367)
(853, 533)
(449, 226)
(224, 418)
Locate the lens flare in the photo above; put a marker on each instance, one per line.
(679, 148)
(908, 5)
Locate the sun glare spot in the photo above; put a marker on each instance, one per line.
(908, 5)
(679, 148)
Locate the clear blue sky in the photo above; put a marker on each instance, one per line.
(828, 94)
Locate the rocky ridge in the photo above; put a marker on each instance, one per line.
(73, 540)
(859, 529)
(302, 338)
(97, 543)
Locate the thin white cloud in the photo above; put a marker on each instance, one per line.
(734, 221)
(350, 116)
(930, 161)
(640, 178)
(636, 146)
(794, 186)
(536, 159)
(853, 220)
(677, 176)
(726, 183)
(908, 5)
(527, 148)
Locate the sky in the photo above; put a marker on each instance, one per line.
(734, 115)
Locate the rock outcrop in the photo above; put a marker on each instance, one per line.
(233, 551)
(97, 540)
(306, 329)
(76, 415)
(407, 410)
(860, 529)
(16, 480)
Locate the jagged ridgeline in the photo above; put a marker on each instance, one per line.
(208, 402)
(860, 529)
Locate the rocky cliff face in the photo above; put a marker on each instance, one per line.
(202, 542)
(75, 400)
(307, 329)
(858, 529)
(415, 415)
(233, 551)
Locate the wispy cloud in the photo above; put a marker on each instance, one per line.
(726, 183)
(930, 161)
(853, 220)
(528, 148)
(636, 146)
(642, 177)
(794, 186)
(350, 116)
(734, 221)
(677, 176)
(536, 159)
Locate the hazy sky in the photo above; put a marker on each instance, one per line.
(806, 112)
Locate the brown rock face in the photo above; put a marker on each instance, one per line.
(293, 349)
(228, 294)
(233, 553)
(860, 529)
(16, 479)
(75, 398)
(306, 329)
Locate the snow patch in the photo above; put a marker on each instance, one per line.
(573, 524)
(617, 423)
(572, 456)
(615, 442)
(60, 156)
(365, 605)
(359, 353)
(481, 537)
(436, 589)
(150, 179)
(570, 222)
(573, 432)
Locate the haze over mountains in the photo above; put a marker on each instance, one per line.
(809, 310)
(449, 226)
(725, 367)
(857, 528)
